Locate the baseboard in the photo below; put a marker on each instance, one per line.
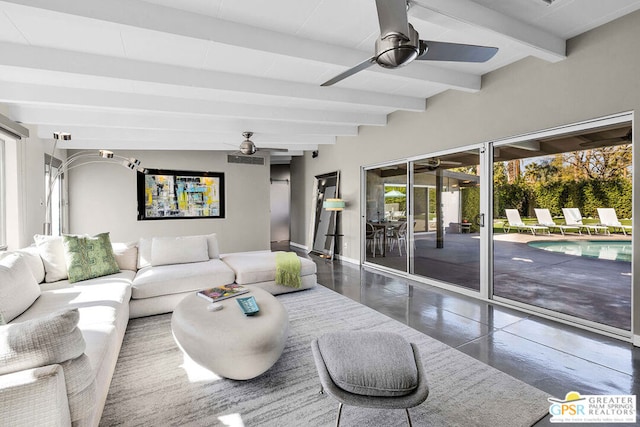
(347, 260)
(299, 246)
(636, 340)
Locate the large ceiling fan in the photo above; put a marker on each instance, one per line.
(399, 44)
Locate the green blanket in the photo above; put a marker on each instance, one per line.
(288, 269)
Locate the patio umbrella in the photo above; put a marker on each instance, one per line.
(394, 193)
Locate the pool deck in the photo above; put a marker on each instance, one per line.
(589, 288)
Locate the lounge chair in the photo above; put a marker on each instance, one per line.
(544, 218)
(609, 218)
(572, 216)
(513, 216)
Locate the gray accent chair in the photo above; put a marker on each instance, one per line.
(370, 370)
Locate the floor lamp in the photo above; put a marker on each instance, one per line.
(76, 160)
(336, 205)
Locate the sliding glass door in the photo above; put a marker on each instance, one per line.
(386, 216)
(423, 217)
(554, 248)
(446, 219)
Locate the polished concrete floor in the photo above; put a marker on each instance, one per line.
(553, 357)
(598, 290)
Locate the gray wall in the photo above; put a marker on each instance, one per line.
(102, 197)
(599, 78)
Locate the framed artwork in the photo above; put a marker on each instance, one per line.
(171, 194)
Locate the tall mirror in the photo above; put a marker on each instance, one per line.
(323, 221)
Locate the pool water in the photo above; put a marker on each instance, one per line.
(615, 250)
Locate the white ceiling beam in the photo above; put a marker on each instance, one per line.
(21, 93)
(116, 144)
(86, 133)
(154, 17)
(77, 117)
(539, 43)
(78, 63)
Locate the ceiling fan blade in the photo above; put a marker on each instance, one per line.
(351, 71)
(392, 16)
(442, 51)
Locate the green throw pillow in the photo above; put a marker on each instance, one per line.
(89, 257)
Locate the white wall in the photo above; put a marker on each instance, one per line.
(102, 197)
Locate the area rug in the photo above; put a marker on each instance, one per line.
(152, 385)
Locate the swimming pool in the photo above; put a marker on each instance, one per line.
(615, 250)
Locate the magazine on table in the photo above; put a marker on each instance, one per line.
(222, 292)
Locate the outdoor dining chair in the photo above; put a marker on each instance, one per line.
(398, 237)
(513, 217)
(544, 218)
(609, 218)
(374, 237)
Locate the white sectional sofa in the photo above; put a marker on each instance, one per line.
(58, 355)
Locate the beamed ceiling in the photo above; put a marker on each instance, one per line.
(195, 74)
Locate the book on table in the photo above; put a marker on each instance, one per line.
(222, 292)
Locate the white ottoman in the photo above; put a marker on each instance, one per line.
(227, 342)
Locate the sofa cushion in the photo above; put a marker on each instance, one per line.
(144, 249)
(89, 257)
(173, 279)
(54, 338)
(51, 251)
(32, 256)
(18, 287)
(126, 255)
(178, 250)
(81, 387)
(256, 267)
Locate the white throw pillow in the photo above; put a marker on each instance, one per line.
(179, 250)
(126, 255)
(212, 243)
(51, 251)
(144, 252)
(144, 248)
(42, 341)
(18, 287)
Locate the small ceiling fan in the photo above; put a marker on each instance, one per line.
(435, 163)
(248, 148)
(597, 143)
(399, 44)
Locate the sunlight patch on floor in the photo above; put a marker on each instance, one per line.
(232, 420)
(522, 259)
(197, 373)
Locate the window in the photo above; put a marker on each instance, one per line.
(56, 212)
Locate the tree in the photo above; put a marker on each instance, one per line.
(541, 172)
(603, 163)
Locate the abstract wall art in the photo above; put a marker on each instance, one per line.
(171, 194)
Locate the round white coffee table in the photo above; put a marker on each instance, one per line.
(227, 342)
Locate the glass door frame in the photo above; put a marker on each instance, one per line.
(363, 217)
(620, 118)
(485, 204)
